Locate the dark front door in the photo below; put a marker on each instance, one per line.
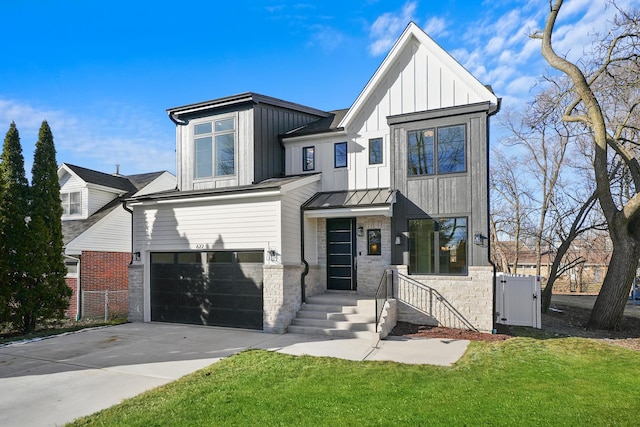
(341, 252)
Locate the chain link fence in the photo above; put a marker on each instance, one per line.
(105, 304)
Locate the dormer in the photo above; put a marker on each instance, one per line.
(85, 191)
(233, 141)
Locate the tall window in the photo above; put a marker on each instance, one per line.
(375, 151)
(71, 203)
(438, 246)
(214, 148)
(441, 149)
(340, 155)
(308, 158)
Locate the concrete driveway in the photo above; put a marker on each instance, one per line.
(55, 380)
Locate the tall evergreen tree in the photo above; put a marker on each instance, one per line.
(14, 205)
(49, 294)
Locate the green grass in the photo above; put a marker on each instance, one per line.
(521, 381)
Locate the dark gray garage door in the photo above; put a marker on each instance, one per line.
(207, 288)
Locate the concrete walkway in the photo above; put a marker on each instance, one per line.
(55, 380)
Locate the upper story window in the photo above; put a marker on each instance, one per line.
(214, 146)
(71, 203)
(340, 155)
(308, 158)
(375, 151)
(437, 149)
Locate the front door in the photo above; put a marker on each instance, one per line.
(341, 252)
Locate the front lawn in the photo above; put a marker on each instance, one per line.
(521, 381)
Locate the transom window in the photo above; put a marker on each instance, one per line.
(308, 158)
(71, 203)
(340, 155)
(375, 151)
(214, 145)
(437, 149)
(438, 246)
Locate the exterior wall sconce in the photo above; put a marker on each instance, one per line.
(480, 240)
(360, 231)
(272, 254)
(135, 256)
(398, 240)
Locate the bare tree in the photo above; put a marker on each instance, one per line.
(604, 97)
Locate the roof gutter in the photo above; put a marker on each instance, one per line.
(175, 119)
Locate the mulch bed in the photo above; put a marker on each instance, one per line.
(560, 321)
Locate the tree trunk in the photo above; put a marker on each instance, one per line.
(608, 311)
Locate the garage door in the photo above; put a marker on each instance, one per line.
(207, 288)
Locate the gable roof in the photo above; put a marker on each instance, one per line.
(90, 176)
(128, 184)
(415, 33)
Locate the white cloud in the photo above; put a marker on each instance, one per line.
(436, 27)
(387, 28)
(325, 37)
(115, 135)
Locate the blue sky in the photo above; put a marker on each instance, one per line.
(102, 73)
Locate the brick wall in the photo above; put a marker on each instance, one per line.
(104, 271)
(136, 292)
(281, 296)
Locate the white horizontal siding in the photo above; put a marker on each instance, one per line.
(232, 226)
(97, 199)
(111, 234)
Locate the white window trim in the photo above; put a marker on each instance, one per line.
(193, 137)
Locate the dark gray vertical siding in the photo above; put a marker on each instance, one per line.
(270, 122)
(442, 195)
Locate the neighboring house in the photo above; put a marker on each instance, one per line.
(97, 231)
(277, 201)
(589, 256)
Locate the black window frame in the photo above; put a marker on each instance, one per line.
(433, 150)
(374, 236)
(438, 251)
(305, 151)
(335, 155)
(380, 160)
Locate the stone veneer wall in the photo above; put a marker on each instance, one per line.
(136, 293)
(471, 296)
(281, 296)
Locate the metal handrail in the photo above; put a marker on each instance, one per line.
(384, 292)
(429, 301)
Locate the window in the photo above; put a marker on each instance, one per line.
(308, 158)
(214, 146)
(438, 246)
(442, 150)
(374, 242)
(71, 203)
(375, 151)
(340, 155)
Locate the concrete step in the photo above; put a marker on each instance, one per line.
(344, 317)
(335, 333)
(336, 314)
(332, 324)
